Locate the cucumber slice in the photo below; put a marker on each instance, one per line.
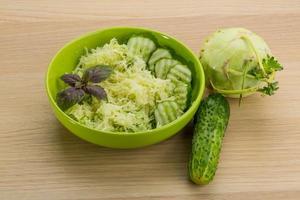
(182, 94)
(142, 46)
(163, 113)
(180, 73)
(163, 66)
(171, 108)
(157, 55)
(166, 112)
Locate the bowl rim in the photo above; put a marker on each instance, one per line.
(151, 131)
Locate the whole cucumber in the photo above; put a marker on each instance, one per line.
(211, 121)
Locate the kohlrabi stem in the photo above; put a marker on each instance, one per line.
(238, 73)
(243, 81)
(252, 89)
(249, 42)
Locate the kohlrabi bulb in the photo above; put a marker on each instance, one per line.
(237, 62)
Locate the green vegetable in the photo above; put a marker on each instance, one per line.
(111, 54)
(182, 93)
(163, 66)
(132, 91)
(156, 56)
(166, 112)
(237, 63)
(180, 73)
(210, 124)
(136, 99)
(79, 86)
(141, 46)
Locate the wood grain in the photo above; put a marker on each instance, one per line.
(39, 159)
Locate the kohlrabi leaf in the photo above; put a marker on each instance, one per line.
(257, 73)
(96, 91)
(69, 97)
(97, 74)
(271, 64)
(70, 79)
(269, 89)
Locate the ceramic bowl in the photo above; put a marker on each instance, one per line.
(67, 58)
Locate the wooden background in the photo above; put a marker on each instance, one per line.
(40, 159)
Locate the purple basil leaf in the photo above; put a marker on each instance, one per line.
(97, 74)
(69, 97)
(70, 79)
(96, 91)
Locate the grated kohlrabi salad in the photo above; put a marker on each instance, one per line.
(132, 91)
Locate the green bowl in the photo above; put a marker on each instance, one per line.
(67, 58)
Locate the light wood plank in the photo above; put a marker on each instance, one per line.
(39, 159)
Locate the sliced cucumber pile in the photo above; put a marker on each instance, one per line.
(143, 46)
(164, 66)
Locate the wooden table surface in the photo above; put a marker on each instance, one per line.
(40, 159)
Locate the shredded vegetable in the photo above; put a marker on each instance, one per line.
(132, 91)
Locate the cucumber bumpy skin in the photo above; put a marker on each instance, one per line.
(210, 124)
